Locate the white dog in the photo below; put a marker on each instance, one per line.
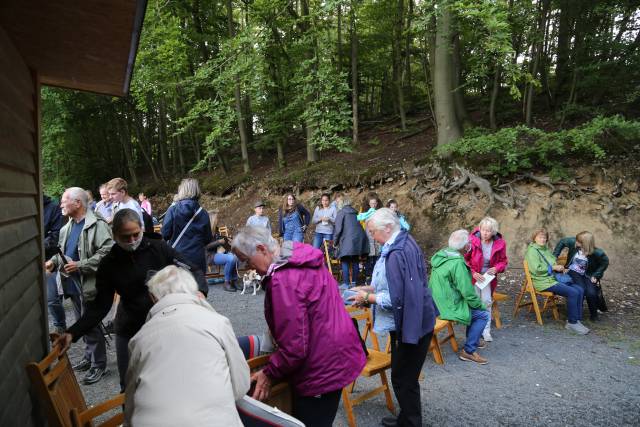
(251, 278)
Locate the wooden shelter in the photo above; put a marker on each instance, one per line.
(87, 45)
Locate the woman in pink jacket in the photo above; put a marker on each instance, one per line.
(488, 255)
(318, 350)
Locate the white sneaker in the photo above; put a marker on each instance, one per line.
(487, 336)
(577, 327)
(584, 328)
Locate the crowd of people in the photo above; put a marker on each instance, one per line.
(173, 349)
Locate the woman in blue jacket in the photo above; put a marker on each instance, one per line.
(293, 219)
(186, 226)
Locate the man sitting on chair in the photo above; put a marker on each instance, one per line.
(454, 295)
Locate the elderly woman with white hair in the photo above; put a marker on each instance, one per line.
(186, 226)
(318, 350)
(185, 365)
(488, 255)
(454, 295)
(404, 309)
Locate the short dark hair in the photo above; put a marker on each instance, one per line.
(123, 216)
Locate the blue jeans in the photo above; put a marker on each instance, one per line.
(574, 295)
(229, 261)
(319, 238)
(354, 262)
(54, 302)
(479, 319)
(294, 236)
(589, 290)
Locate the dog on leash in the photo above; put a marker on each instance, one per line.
(251, 278)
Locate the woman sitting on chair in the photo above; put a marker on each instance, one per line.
(219, 253)
(586, 265)
(542, 265)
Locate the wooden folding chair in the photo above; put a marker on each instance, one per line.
(224, 231)
(435, 345)
(495, 310)
(377, 363)
(328, 248)
(527, 289)
(280, 393)
(57, 389)
(85, 418)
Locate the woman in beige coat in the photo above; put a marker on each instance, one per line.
(186, 367)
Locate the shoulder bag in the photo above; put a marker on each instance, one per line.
(175, 243)
(563, 278)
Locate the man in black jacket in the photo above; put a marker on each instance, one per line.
(52, 219)
(125, 270)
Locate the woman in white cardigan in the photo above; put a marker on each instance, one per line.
(186, 367)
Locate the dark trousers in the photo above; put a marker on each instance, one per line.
(406, 364)
(54, 302)
(95, 349)
(122, 354)
(350, 262)
(317, 411)
(589, 290)
(368, 267)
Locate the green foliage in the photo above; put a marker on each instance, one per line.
(519, 148)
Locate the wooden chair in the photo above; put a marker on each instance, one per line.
(527, 289)
(224, 231)
(328, 247)
(435, 345)
(85, 418)
(57, 389)
(157, 228)
(377, 363)
(280, 395)
(495, 310)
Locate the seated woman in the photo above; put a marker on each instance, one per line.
(185, 365)
(586, 265)
(542, 265)
(219, 253)
(488, 255)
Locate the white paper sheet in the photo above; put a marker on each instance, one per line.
(488, 278)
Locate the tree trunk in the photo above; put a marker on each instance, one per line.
(242, 127)
(449, 129)
(398, 69)
(310, 126)
(536, 53)
(458, 91)
(144, 148)
(354, 73)
(162, 134)
(339, 47)
(125, 140)
(494, 96)
(407, 50)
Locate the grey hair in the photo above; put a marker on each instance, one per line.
(172, 280)
(383, 218)
(458, 239)
(344, 201)
(188, 189)
(123, 216)
(490, 223)
(79, 194)
(250, 237)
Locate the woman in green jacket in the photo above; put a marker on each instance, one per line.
(586, 265)
(542, 265)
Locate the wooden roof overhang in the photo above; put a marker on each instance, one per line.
(88, 45)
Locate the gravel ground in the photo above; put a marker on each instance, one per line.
(537, 375)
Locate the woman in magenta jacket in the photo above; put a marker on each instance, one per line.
(488, 254)
(318, 350)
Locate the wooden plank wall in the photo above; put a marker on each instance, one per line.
(23, 321)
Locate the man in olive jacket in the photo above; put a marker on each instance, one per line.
(84, 240)
(454, 295)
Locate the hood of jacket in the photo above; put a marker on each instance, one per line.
(295, 254)
(186, 207)
(445, 255)
(171, 300)
(349, 210)
(46, 200)
(476, 240)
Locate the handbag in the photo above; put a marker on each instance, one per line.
(563, 278)
(175, 243)
(602, 303)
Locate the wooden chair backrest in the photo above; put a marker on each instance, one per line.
(527, 276)
(365, 314)
(224, 231)
(56, 387)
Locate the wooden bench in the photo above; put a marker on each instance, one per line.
(377, 363)
(56, 388)
(436, 342)
(528, 290)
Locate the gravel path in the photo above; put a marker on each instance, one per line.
(535, 376)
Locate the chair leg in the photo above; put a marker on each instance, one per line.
(496, 314)
(435, 350)
(554, 308)
(534, 301)
(452, 339)
(348, 408)
(518, 300)
(387, 392)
